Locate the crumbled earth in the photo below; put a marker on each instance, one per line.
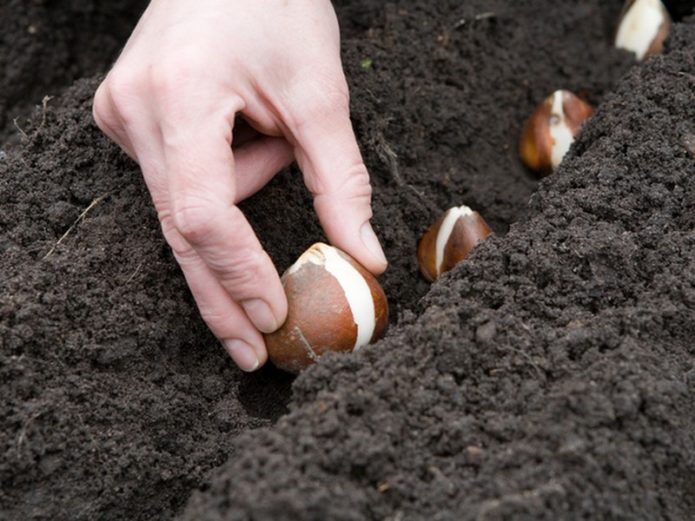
(45, 45)
(550, 376)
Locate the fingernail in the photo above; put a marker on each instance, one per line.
(370, 240)
(243, 354)
(260, 314)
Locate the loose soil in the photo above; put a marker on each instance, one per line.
(550, 376)
(47, 45)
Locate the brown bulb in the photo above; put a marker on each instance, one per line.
(334, 304)
(449, 240)
(551, 129)
(643, 27)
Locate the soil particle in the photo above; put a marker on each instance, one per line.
(549, 377)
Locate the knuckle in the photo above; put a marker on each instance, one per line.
(194, 217)
(101, 108)
(319, 101)
(244, 272)
(123, 87)
(353, 184)
(332, 100)
(163, 78)
(183, 251)
(357, 183)
(168, 77)
(213, 316)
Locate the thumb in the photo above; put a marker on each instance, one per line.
(334, 172)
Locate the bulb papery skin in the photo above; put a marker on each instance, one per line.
(643, 27)
(560, 131)
(550, 131)
(450, 240)
(334, 304)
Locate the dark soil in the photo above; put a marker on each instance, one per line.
(45, 45)
(551, 376)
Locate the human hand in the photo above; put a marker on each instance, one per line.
(171, 101)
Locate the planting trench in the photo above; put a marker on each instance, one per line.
(551, 376)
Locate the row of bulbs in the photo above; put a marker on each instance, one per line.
(335, 304)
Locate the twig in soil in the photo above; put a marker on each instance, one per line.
(389, 156)
(691, 77)
(307, 346)
(134, 273)
(21, 130)
(74, 224)
(384, 486)
(524, 354)
(485, 16)
(480, 16)
(44, 107)
(25, 427)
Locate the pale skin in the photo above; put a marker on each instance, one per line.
(192, 69)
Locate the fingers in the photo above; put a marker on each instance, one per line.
(225, 318)
(171, 101)
(257, 161)
(200, 170)
(335, 173)
(191, 176)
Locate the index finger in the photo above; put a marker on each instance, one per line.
(200, 169)
(334, 172)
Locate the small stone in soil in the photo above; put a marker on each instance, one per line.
(474, 455)
(486, 332)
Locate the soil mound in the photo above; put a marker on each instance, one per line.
(550, 376)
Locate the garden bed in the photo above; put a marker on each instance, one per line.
(550, 376)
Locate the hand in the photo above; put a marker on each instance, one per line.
(171, 101)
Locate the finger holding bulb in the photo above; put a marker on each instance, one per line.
(334, 304)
